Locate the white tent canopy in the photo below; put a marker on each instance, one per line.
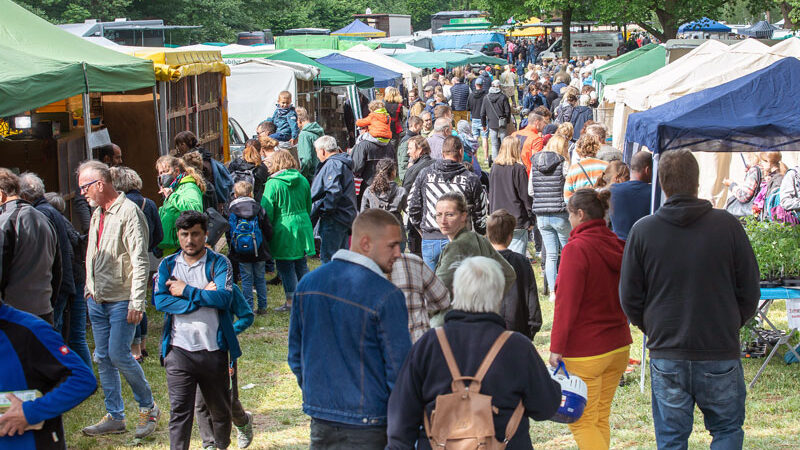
(230, 49)
(410, 73)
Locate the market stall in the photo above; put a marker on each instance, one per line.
(359, 28)
(383, 78)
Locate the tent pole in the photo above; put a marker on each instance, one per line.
(87, 125)
(158, 120)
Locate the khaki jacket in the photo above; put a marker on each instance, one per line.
(117, 268)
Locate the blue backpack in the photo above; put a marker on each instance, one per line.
(246, 237)
(223, 182)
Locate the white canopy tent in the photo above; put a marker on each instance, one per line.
(231, 49)
(410, 73)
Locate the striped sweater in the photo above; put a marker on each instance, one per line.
(583, 174)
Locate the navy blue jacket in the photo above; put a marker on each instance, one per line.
(218, 269)
(285, 120)
(67, 285)
(459, 94)
(580, 115)
(333, 191)
(348, 338)
(531, 101)
(150, 211)
(33, 356)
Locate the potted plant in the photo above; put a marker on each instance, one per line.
(764, 237)
(791, 275)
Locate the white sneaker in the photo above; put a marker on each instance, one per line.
(552, 297)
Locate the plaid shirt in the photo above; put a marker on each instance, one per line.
(425, 294)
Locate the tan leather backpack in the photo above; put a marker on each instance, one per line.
(464, 420)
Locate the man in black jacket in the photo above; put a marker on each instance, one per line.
(366, 155)
(444, 175)
(474, 104)
(419, 153)
(495, 115)
(689, 281)
(516, 375)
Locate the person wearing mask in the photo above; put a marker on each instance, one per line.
(333, 197)
(420, 157)
(414, 128)
(495, 115)
(250, 167)
(546, 188)
(442, 128)
(117, 268)
(587, 170)
(287, 202)
(337, 326)
(690, 281)
(443, 176)
(509, 191)
(309, 132)
(33, 356)
(517, 377)
(31, 262)
(474, 104)
(590, 333)
(451, 216)
(630, 200)
(182, 187)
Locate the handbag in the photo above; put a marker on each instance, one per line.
(217, 226)
(501, 121)
(743, 209)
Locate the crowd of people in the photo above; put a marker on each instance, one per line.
(425, 286)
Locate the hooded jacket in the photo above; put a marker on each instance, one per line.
(393, 200)
(580, 115)
(547, 183)
(305, 149)
(443, 176)
(287, 203)
(285, 120)
(510, 192)
(247, 208)
(689, 280)
(475, 103)
(520, 308)
(187, 196)
(402, 154)
(413, 172)
(467, 244)
(588, 319)
(333, 192)
(531, 141)
(366, 155)
(378, 124)
(490, 116)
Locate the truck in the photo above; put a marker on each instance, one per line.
(585, 44)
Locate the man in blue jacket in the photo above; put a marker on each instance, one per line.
(348, 340)
(333, 197)
(195, 291)
(459, 94)
(33, 356)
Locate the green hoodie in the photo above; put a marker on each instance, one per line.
(287, 202)
(305, 149)
(465, 245)
(187, 197)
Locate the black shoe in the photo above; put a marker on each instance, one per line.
(276, 280)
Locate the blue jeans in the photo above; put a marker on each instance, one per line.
(113, 336)
(431, 250)
(555, 230)
(254, 273)
(718, 389)
(495, 138)
(477, 130)
(333, 237)
(77, 328)
(519, 242)
(141, 330)
(290, 271)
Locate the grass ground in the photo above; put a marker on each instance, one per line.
(772, 421)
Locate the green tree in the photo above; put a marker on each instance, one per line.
(669, 14)
(788, 9)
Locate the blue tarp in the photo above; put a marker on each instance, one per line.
(455, 41)
(358, 27)
(704, 24)
(757, 112)
(383, 77)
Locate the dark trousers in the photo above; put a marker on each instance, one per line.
(414, 241)
(329, 436)
(186, 371)
(204, 421)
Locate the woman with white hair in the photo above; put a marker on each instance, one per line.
(516, 375)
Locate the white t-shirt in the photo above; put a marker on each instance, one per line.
(197, 330)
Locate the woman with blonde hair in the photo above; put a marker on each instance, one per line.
(566, 130)
(616, 172)
(287, 202)
(587, 169)
(393, 102)
(182, 187)
(509, 182)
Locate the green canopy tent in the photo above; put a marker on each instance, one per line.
(327, 76)
(623, 58)
(41, 64)
(642, 62)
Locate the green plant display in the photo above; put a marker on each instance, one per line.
(777, 248)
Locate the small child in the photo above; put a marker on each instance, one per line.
(377, 123)
(285, 119)
(248, 237)
(520, 307)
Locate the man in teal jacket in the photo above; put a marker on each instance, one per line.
(195, 291)
(309, 132)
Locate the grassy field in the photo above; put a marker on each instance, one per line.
(772, 419)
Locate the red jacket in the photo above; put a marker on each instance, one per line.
(531, 143)
(588, 318)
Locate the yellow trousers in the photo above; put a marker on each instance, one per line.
(601, 375)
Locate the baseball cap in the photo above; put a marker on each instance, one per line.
(428, 88)
(479, 81)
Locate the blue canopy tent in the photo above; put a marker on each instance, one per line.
(383, 77)
(759, 30)
(359, 28)
(757, 112)
(704, 24)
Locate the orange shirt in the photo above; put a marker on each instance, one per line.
(531, 143)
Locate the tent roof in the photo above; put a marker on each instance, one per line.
(359, 28)
(364, 53)
(704, 24)
(328, 76)
(759, 30)
(643, 61)
(447, 60)
(733, 116)
(383, 77)
(42, 63)
(528, 30)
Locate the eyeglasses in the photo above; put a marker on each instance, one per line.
(85, 187)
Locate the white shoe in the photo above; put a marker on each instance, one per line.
(552, 297)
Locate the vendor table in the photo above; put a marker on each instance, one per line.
(768, 295)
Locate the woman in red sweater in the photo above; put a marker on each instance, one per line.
(590, 332)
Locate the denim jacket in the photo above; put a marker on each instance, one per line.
(218, 269)
(348, 339)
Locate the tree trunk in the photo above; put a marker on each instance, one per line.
(786, 10)
(566, 23)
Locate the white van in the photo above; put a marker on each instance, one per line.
(585, 44)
